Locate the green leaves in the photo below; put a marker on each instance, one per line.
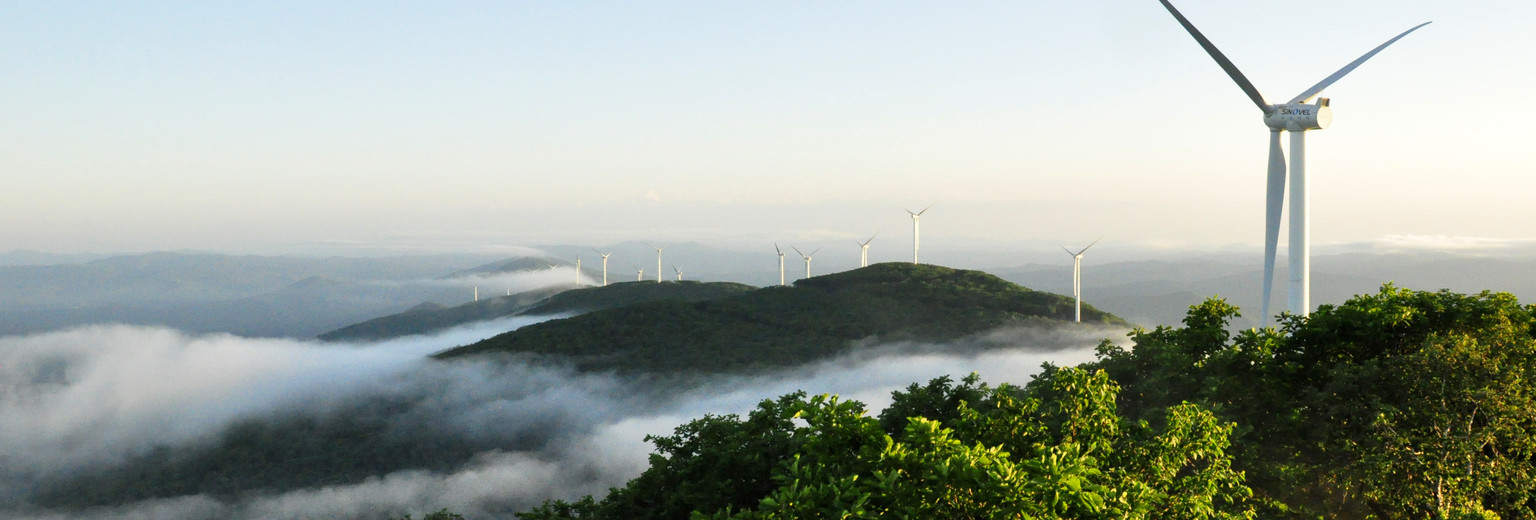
(1397, 404)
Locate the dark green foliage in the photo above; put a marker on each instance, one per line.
(1009, 457)
(269, 454)
(939, 400)
(781, 326)
(1394, 405)
(588, 299)
(550, 300)
(716, 462)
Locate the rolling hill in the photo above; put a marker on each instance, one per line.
(781, 326)
(563, 299)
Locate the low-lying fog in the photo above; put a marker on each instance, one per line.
(86, 401)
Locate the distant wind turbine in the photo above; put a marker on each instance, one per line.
(658, 261)
(477, 293)
(864, 249)
(807, 258)
(1297, 117)
(781, 264)
(1077, 277)
(578, 271)
(914, 230)
(639, 273)
(605, 265)
(679, 272)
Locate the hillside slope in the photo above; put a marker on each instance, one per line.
(427, 318)
(561, 299)
(781, 326)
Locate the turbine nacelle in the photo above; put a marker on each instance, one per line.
(1299, 117)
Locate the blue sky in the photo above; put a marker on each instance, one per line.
(257, 126)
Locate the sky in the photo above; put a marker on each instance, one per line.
(266, 126)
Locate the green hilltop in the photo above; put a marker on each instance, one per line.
(429, 317)
(590, 299)
(781, 326)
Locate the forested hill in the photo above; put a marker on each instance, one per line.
(428, 318)
(780, 326)
(629, 293)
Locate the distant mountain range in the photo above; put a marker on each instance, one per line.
(303, 296)
(244, 295)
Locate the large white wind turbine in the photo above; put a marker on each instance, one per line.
(781, 264)
(1077, 277)
(679, 272)
(578, 270)
(639, 273)
(605, 265)
(1295, 116)
(864, 249)
(914, 230)
(807, 258)
(658, 262)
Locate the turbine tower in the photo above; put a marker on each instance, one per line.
(679, 272)
(1295, 116)
(807, 258)
(864, 252)
(639, 273)
(578, 270)
(605, 265)
(914, 231)
(1077, 277)
(658, 262)
(781, 264)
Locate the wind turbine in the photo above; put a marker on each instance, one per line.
(914, 231)
(679, 272)
(639, 273)
(807, 259)
(578, 270)
(605, 265)
(1077, 277)
(781, 264)
(864, 253)
(1295, 116)
(658, 261)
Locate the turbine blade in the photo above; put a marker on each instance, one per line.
(1069, 251)
(1095, 241)
(797, 250)
(1308, 94)
(925, 210)
(776, 248)
(813, 253)
(1221, 59)
(1274, 199)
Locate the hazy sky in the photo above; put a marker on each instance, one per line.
(260, 125)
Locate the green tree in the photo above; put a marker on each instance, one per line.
(1014, 455)
(1397, 404)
